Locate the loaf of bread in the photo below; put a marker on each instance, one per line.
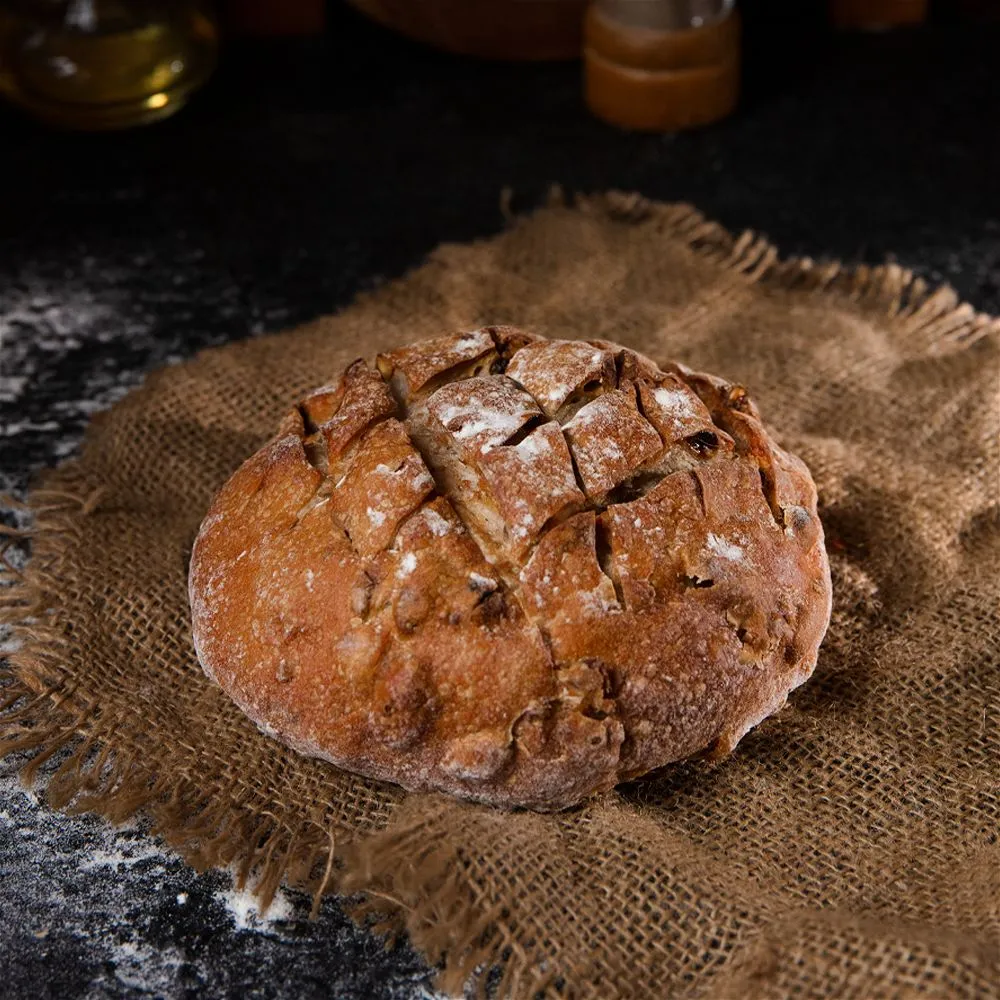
(516, 570)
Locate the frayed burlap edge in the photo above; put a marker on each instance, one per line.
(410, 885)
(43, 716)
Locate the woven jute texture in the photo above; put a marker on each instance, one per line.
(848, 848)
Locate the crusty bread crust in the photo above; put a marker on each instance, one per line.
(513, 569)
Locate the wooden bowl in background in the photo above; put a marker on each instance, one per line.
(490, 29)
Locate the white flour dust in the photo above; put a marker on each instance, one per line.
(140, 923)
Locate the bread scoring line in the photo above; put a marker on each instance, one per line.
(637, 485)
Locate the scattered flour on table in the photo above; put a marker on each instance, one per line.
(123, 854)
(149, 969)
(58, 316)
(46, 320)
(244, 908)
(118, 904)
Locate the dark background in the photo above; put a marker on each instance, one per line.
(309, 170)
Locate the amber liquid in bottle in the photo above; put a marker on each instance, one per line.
(100, 64)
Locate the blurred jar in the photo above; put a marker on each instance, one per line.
(104, 64)
(661, 65)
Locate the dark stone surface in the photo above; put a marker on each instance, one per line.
(89, 911)
(309, 171)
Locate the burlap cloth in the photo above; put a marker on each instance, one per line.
(848, 848)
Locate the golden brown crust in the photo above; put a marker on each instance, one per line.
(513, 569)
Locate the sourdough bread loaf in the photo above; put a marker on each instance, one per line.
(516, 570)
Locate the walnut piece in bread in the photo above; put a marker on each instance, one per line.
(513, 569)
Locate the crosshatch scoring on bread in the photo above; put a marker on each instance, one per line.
(513, 569)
